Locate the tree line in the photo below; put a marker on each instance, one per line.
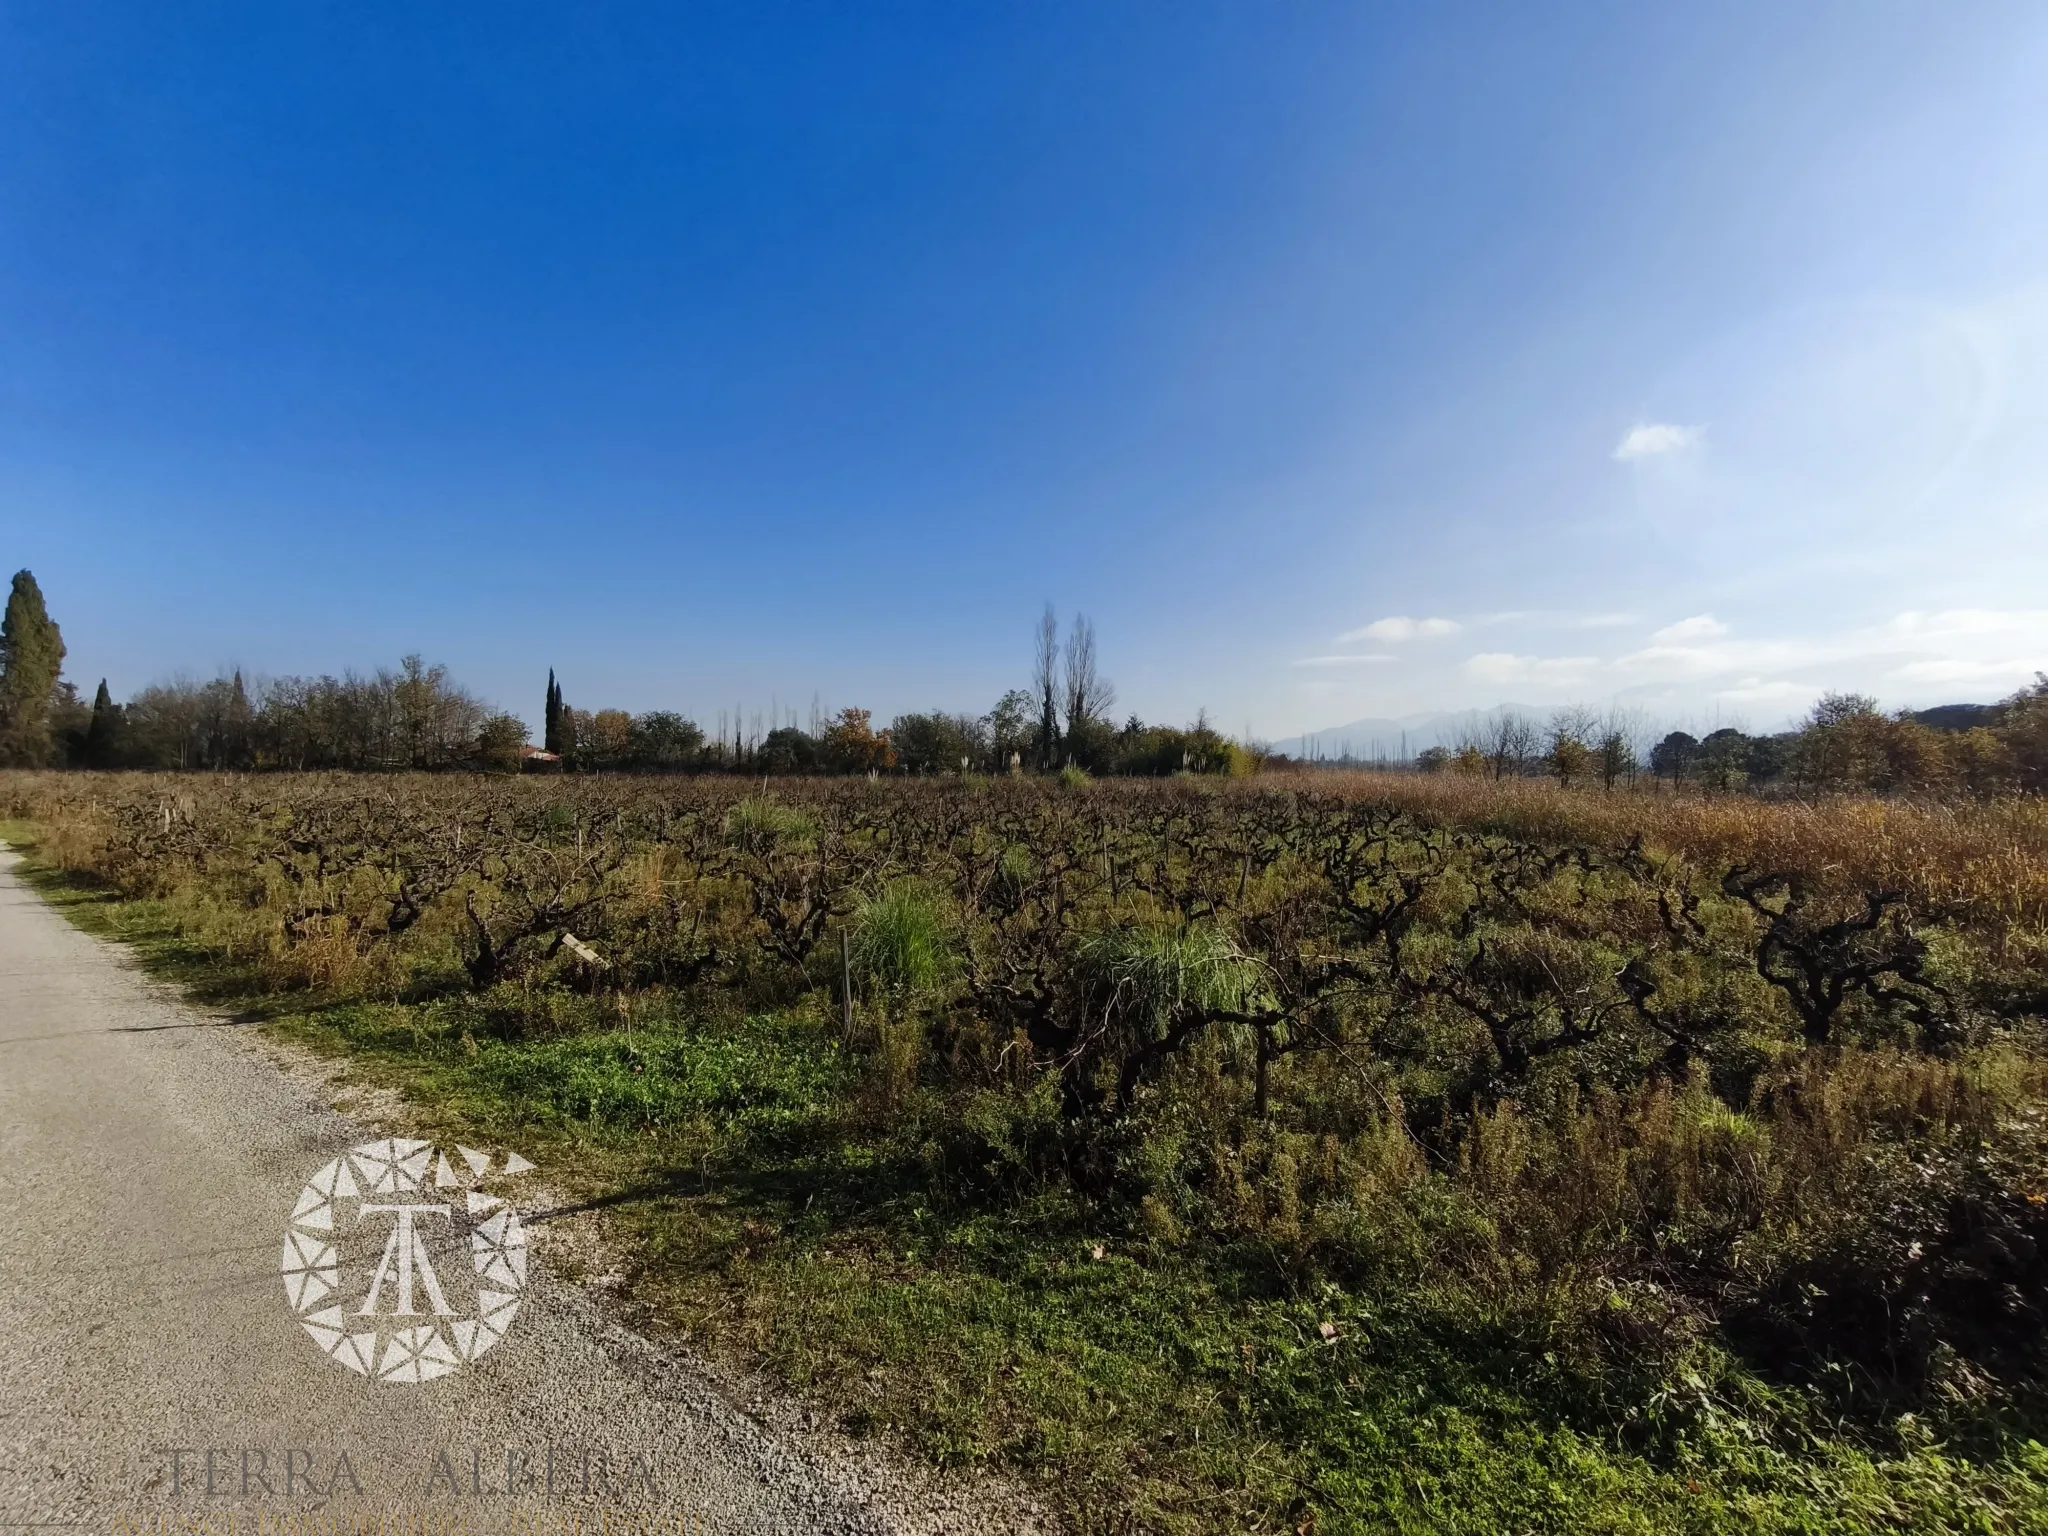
(1844, 743)
(1063, 723)
(1847, 742)
(413, 716)
(416, 717)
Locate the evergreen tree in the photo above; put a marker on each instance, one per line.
(69, 717)
(103, 735)
(31, 659)
(551, 729)
(236, 749)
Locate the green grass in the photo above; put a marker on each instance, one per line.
(770, 1216)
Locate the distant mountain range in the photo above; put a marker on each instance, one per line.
(1393, 739)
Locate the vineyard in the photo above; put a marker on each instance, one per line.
(1371, 1152)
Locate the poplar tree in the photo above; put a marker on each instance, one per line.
(1045, 679)
(31, 659)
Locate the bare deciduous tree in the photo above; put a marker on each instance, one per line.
(1618, 754)
(1045, 683)
(1511, 739)
(1089, 694)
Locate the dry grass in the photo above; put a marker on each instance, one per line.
(1983, 862)
(1712, 1274)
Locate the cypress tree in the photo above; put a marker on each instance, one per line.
(31, 660)
(103, 735)
(239, 722)
(551, 729)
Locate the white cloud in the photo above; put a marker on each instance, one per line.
(1394, 630)
(1701, 626)
(1993, 647)
(1906, 658)
(1501, 667)
(1711, 657)
(1646, 440)
(1536, 618)
(1956, 623)
(1758, 690)
(1956, 670)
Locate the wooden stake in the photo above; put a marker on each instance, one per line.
(845, 987)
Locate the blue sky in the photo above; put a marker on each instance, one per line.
(1337, 360)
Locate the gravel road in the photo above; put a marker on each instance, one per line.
(151, 1161)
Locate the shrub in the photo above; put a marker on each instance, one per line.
(903, 939)
(1606, 1071)
(766, 824)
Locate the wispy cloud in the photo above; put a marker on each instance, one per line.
(1541, 618)
(1394, 630)
(1646, 440)
(1501, 667)
(1764, 690)
(1701, 626)
(1916, 656)
(1956, 670)
(1954, 623)
(1712, 656)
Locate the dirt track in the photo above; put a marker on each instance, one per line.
(150, 1158)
